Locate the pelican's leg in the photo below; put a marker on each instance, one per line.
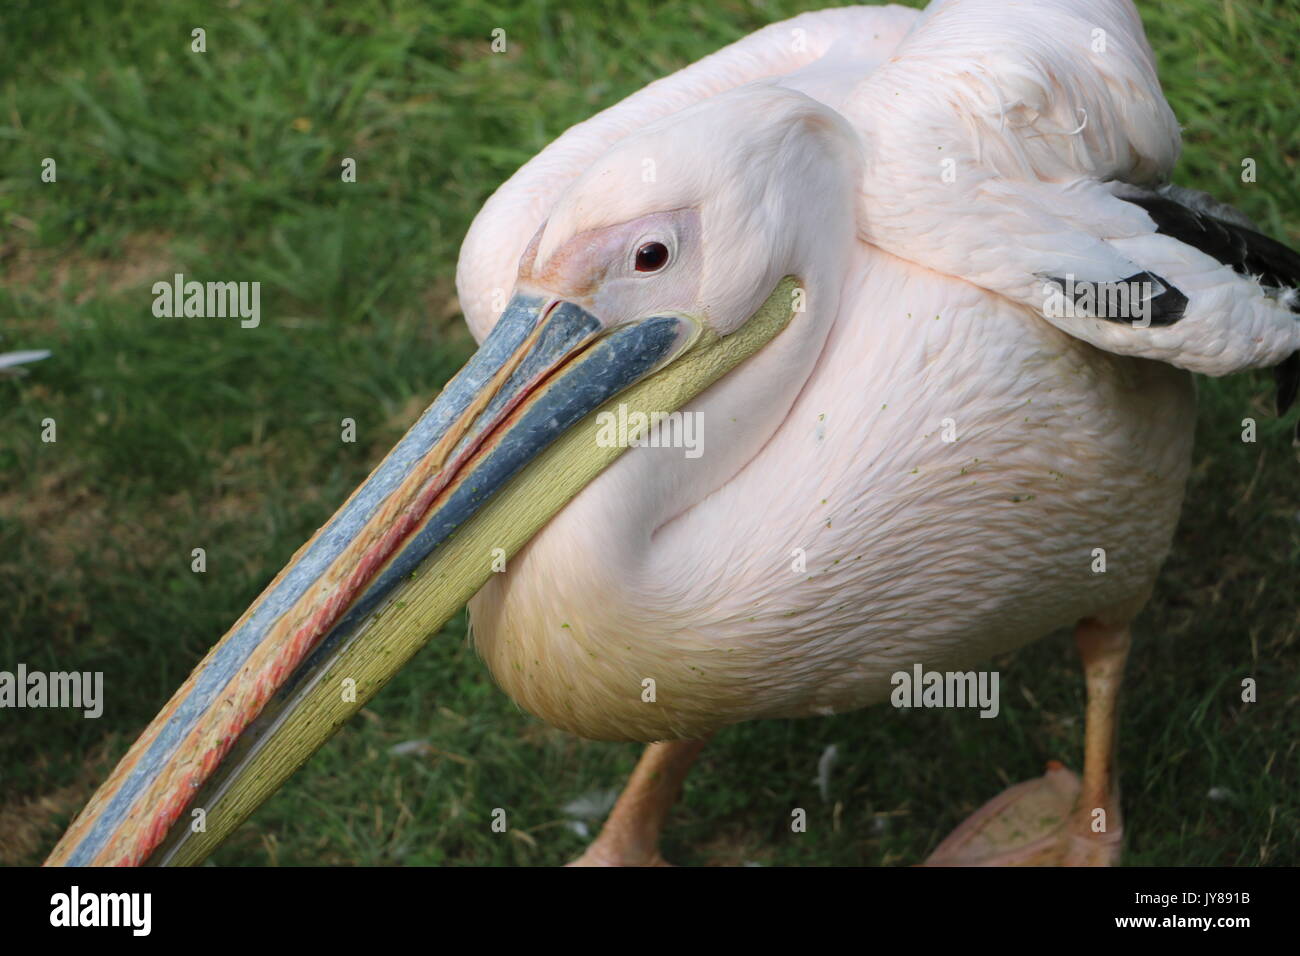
(1056, 820)
(1096, 827)
(630, 836)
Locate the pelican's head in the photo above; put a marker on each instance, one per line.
(703, 212)
(657, 272)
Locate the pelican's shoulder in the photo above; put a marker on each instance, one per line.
(1029, 155)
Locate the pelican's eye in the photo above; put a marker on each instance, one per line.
(651, 257)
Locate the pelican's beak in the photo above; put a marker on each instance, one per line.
(507, 444)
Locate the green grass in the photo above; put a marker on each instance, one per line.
(177, 434)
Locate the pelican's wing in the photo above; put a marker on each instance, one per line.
(1026, 152)
(489, 257)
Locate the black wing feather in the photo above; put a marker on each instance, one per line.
(1246, 251)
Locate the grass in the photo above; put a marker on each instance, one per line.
(177, 434)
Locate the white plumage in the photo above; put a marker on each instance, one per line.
(922, 175)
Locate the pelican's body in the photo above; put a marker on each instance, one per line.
(916, 549)
(832, 533)
(921, 285)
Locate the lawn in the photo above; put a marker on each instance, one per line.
(175, 434)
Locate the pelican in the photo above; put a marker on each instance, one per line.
(923, 284)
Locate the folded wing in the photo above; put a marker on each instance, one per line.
(1025, 147)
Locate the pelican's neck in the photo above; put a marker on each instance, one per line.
(704, 446)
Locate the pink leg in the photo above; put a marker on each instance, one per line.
(1097, 826)
(1058, 820)
(630, 836)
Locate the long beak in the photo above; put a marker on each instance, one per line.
(505, 446)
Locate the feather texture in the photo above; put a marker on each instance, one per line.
(927, 464)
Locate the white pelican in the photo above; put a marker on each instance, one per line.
(949, 411)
